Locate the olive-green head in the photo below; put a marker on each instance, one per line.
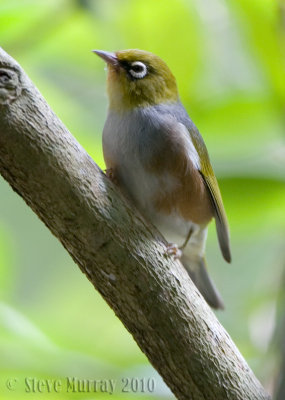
(137, 78)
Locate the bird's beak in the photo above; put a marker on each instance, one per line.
(107, 56)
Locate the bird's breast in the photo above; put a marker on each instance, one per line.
(154, 167)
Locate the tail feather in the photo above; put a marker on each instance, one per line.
(197, 271)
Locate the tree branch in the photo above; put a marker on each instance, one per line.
(122, 255)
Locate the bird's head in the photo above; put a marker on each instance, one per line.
(137, 78)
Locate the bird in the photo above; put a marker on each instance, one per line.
(156, 155)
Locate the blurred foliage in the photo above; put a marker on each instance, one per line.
(228, 58)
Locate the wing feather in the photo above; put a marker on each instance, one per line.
(210, 180)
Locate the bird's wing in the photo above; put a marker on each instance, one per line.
(175, 119)
(210, 180)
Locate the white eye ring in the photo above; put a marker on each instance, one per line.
(139, 71)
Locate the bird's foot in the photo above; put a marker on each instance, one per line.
(173, 250)
(110, 173)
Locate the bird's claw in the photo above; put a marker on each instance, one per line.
(110, 173)
(173, 250)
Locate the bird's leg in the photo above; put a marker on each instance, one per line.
(110, 173)
(173, 250)
(187, 239)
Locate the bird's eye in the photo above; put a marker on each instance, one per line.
(138, 70)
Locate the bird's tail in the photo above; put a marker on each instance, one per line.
(197, 271)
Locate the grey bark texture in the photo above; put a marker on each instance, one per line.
(121, 254)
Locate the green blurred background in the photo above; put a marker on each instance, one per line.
(228, 57)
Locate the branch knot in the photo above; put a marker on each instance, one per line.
(10, 87)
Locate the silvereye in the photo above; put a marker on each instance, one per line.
(155, 153)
